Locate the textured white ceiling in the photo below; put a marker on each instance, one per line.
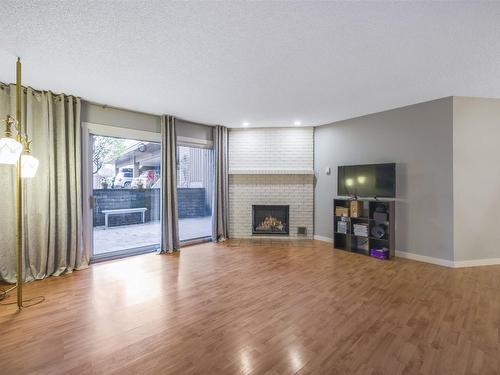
(268, 63)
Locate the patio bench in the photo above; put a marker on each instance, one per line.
(106, 213)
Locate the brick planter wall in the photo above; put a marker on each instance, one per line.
(191, 203)
(112, 199)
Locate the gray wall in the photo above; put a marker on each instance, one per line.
(419, 138)
(98, 114)
(194, 130)
(123, 118)
(476, 175)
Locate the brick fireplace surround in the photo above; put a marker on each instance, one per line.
(271, 166)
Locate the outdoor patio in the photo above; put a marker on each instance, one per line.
(139, 235)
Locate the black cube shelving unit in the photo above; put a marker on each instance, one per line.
(370, 216)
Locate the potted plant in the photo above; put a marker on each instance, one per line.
(104, 183)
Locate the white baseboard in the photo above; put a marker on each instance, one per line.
(477, 262)
(449, 263)
(426, 259)
(432, 260)
(323, 238)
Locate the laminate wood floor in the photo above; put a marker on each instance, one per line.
(258, 307)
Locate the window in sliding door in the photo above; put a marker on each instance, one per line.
(195, 187)
(126, 194)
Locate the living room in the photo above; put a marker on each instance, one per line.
(249, 187)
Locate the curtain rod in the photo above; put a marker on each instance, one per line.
(140, 112)
(120, 108)
(4, 85)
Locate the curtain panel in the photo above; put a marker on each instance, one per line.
(52, 204)
(221, 191)
(170, 221)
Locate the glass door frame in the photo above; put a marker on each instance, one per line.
(88, 130)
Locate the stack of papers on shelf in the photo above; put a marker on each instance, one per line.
(360, 230)
(342, 227)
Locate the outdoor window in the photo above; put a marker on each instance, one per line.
(195, 187)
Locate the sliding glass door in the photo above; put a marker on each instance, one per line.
(195, 188)
(124, 186)
(122, 181)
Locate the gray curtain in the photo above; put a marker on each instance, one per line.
(221, 191)
(170, 222)
(53, 199)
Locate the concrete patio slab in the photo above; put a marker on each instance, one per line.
(140, 235)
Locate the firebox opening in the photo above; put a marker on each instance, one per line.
(268, 219)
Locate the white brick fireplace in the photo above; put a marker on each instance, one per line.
(271, 166)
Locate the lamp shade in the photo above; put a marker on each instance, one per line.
(29, 166)
(10, 149)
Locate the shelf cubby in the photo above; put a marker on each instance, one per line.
(375, 213)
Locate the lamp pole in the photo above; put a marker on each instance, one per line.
(19, 194)
(16, 151)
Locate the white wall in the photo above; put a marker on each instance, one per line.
(267, 160)
(419, 140)
(476, 178)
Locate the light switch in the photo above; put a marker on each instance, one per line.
(328, 170)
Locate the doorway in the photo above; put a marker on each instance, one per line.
(123, 183)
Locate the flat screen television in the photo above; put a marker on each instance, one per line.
(368, 180)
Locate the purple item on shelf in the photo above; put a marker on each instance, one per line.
(380, 253)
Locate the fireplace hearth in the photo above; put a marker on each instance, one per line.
(270, 220)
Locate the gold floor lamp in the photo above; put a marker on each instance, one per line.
(15, 150)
